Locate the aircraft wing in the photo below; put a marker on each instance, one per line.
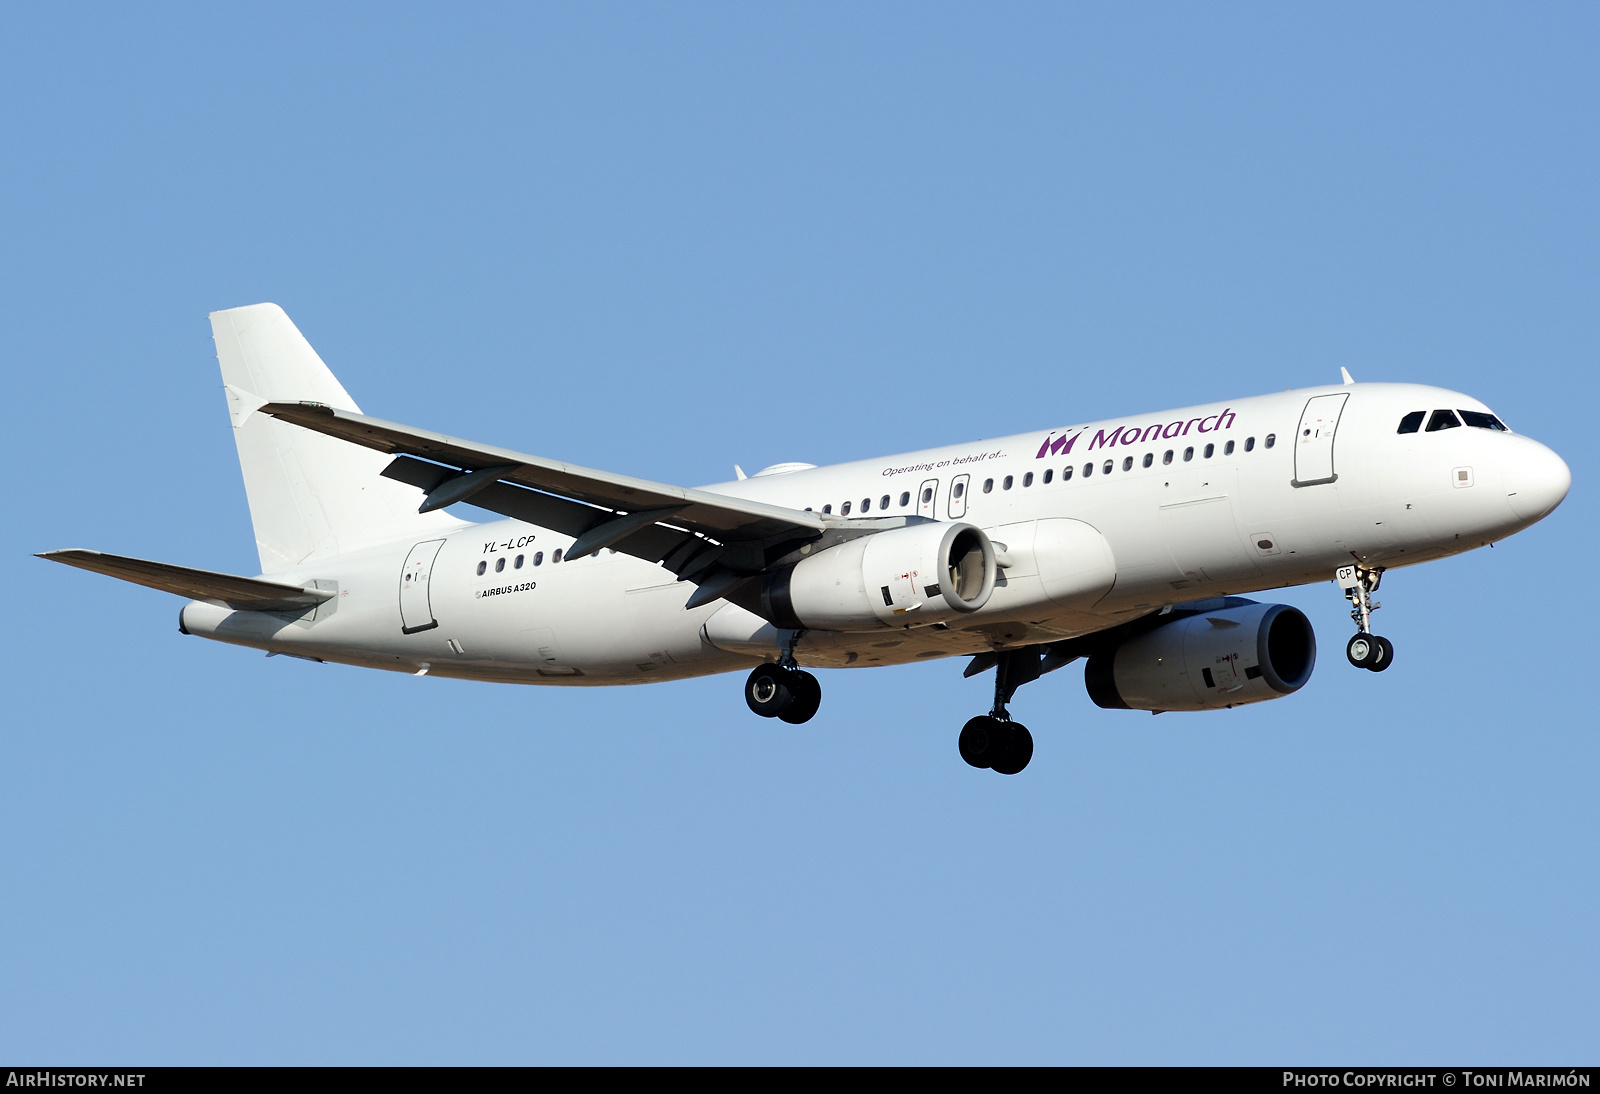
(708, 538)
(239, 593)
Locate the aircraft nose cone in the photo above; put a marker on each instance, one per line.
(1537, 481)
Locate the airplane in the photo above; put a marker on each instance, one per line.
(1125, 543)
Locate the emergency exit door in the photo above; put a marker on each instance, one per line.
(416, 606)
(1313, 442)
(958, 496)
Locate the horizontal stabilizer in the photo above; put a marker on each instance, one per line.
(239, 593)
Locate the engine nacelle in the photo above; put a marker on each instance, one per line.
(1208, 660)
(905, 577)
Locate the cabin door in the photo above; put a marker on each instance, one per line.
(416, 606)
(1313, 441)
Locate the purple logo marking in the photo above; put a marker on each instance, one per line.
(1135, 434)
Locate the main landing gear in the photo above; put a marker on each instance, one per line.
(785, 690)
(1366, 650)
(993, 740)
(792, 695)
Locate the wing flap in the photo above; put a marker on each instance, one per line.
(239, 593)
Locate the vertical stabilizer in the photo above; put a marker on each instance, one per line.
(311, 496)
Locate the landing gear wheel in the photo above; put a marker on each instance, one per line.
(1019, 750)
(1363, 651)
(769, 691)
(807, 697)
(982, 741)
(1385, 654)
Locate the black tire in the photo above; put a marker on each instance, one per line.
(807, 698)
(982, 741)
(1018, 752)
(768, 691)
(1385, 654)
(1363, 650)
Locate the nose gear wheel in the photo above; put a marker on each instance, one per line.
(1366, 650)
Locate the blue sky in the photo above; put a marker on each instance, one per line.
(662, 240)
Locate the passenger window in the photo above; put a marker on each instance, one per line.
(1227, 449)
(499, 564)
(1048, 475)
(538, 558)
(1149, 458)
(1127, 463)
(1188, 454)
(927, 495)
(1272, 439)
(988, 486)
(1210, 451)
(1412, 422)
(482, 567)
(828, 508)
(1088, 469)
(866, 505)
(1442, 419)
(961, 488)
(905, 499)
(1106, 470)
(1167, 456)
(844, 510)
(1249, 444)
(556, 557)
(1066, 473)
(1006, 485)
(518, 564)
(1479, 420)
(1027, 480)
(883, 502)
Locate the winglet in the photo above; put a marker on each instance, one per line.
(737, 470)
(1346, 374)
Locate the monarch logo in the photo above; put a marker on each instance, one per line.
(1056, 446)
(1135, 434)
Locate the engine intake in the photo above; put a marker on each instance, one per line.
(1207, 660)
(905, 577)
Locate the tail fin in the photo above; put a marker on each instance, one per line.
(311, 496)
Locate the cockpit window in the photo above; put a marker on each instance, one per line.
(1479, 420)
(1412, 422)
(1442, 419)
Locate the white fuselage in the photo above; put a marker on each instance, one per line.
(1259, 493)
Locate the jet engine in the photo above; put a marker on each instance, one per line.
(904, 577)
(1243, 652)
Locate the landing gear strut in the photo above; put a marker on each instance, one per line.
(993, 740)
(785, 690)
(1366, 650)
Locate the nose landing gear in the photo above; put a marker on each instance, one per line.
(1366, 650)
